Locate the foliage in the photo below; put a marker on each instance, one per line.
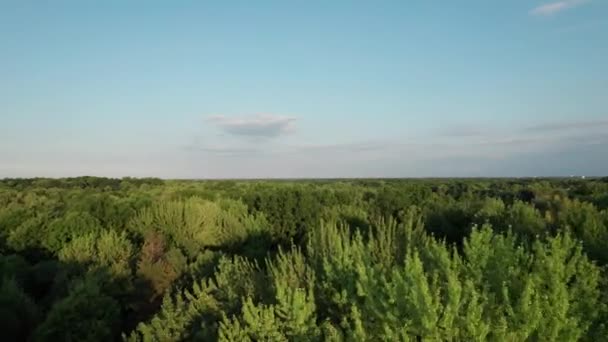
(90, 259)
(18, 312)
(86, 314)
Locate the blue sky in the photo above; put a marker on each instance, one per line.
(193, 89)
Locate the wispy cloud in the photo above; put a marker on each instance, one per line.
(566, 126)
(227, 151)
(355, 146)
(552, 8)
(461, 131)
(540, 148)
(257, 126)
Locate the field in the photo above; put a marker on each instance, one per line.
(97, 259)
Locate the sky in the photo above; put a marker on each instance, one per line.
(303, 89)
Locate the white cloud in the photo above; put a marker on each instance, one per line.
(552, 8)
(258, 126)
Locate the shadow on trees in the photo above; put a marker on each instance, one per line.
(45, 299)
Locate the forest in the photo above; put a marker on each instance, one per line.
(99, 259)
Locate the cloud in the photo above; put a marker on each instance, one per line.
(225, 150)
(257, 126)
(550, 147)
(566, 126)
(552, 8)
(461, 131)
(344, 147)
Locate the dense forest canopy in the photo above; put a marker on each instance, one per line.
(97, 259)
